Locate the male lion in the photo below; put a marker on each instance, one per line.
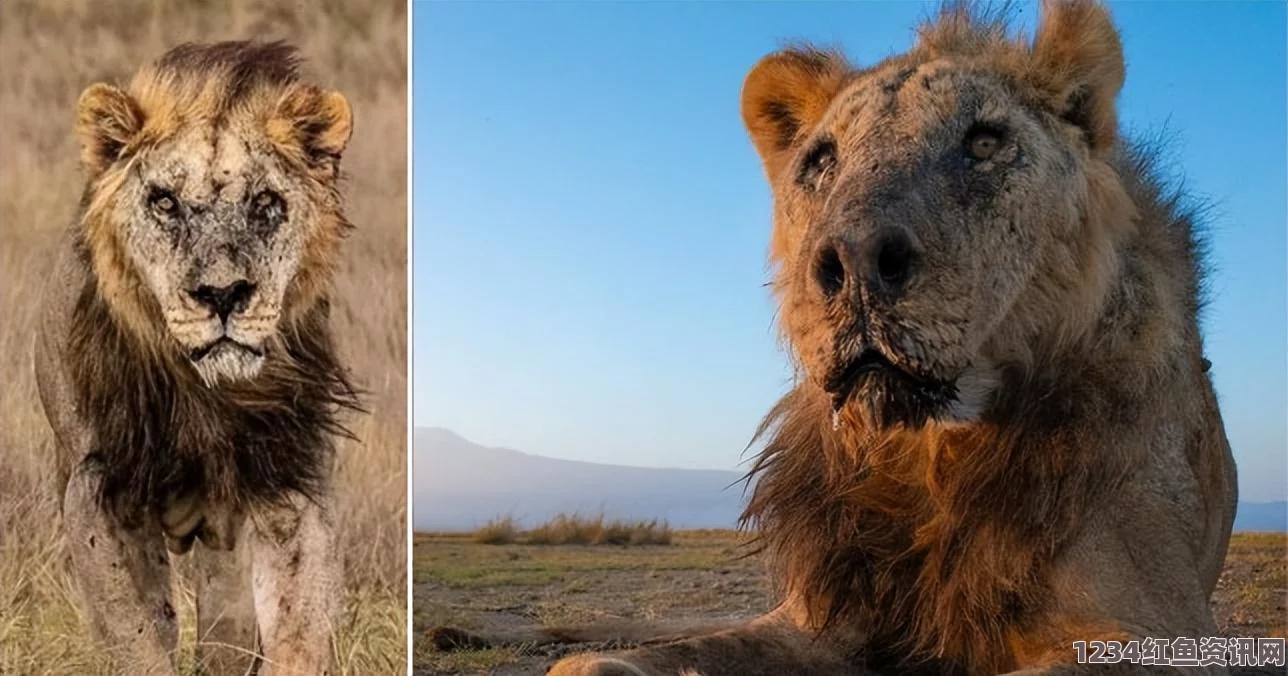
(1003, 439)
(185, 362)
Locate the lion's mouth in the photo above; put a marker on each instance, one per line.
(845, 375)
(223, 343)
(893, 393)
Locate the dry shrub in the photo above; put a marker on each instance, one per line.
(565, 529)
(650, 533)
(53, 49)
(573, 529)
(499, 531)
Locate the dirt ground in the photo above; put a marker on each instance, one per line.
(703, 576)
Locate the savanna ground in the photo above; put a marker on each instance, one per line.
(702, 576)
(52, 50)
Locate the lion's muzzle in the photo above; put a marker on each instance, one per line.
(228, 343)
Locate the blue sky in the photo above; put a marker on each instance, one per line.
(591, 222)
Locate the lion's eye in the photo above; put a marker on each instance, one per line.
(982, 143)
(163, 202)
(819, 166)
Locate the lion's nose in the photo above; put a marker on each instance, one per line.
(224, 300)
(892, 258)
(831, 272)
(883, 261)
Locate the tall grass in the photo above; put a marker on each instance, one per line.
(53, 49)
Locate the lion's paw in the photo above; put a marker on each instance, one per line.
(594, 665)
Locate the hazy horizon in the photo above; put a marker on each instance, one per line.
(459, 485)
(589, 265)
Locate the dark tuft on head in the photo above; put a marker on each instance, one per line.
(243, 63)
(213, 77)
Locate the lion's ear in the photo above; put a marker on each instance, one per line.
(107, 120)
(314, 121)
(1078, 59)
(786, 94)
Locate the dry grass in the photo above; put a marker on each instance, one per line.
(500, 531)
(51, 50)
(572, 529)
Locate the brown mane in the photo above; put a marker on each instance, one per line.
(202, 83)
(924, 535)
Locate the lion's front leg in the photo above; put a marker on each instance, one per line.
(297, 586)
(1119, 583)
(124, 575)
(768, 645)
(226, 627)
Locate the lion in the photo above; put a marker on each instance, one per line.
(185, 361)
(1003, 438)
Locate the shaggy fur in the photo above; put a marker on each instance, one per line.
(922, 537)
(1003, 438)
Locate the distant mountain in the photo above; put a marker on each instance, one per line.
(460, 485)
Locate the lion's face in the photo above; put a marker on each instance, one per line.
(223, 219)
(216, 225)
(930, 211)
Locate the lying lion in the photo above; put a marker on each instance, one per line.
(185, 361)
(1003, 438)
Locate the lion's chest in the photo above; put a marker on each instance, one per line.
(168, 446)
(945, 593)
(197, 461)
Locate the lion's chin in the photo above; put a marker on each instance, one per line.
(883, 396)
(888, 396)
(226, 361)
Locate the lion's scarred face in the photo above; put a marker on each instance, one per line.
(212, 207)
(931, 209)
